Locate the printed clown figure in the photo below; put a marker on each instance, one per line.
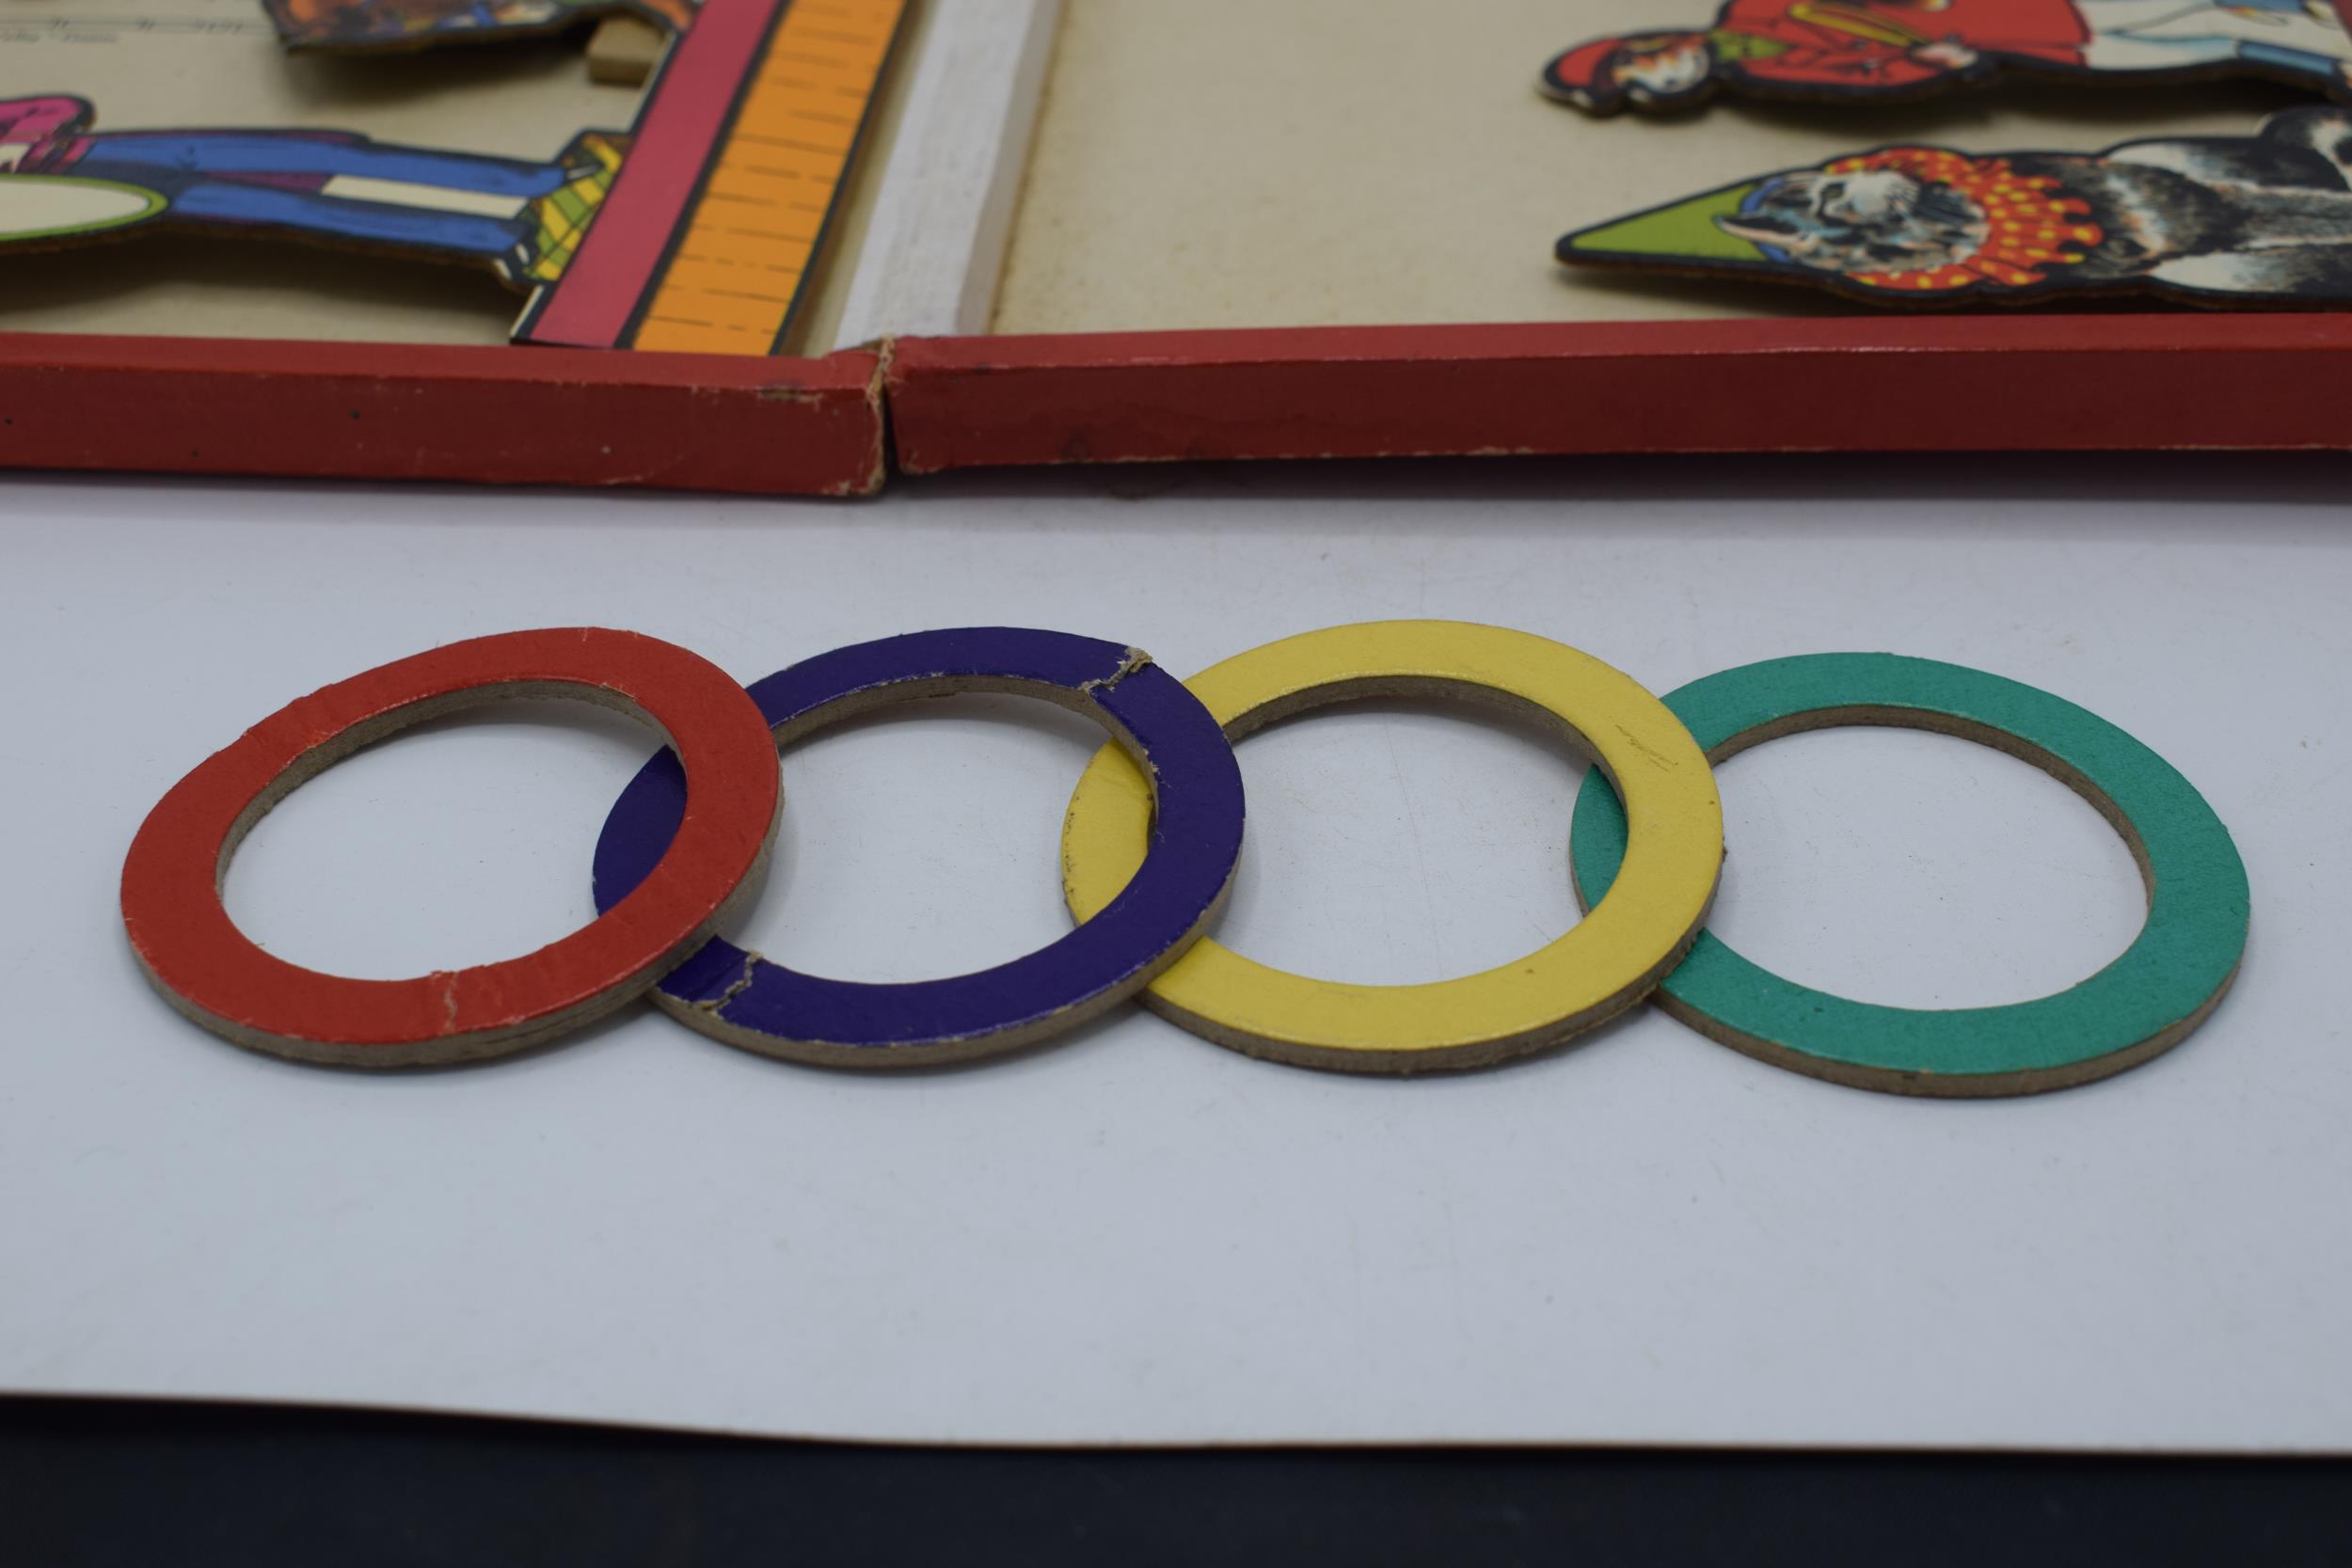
(1869, 48)
(62, 182)
(394, 24)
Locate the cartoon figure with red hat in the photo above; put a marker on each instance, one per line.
(1875, 48)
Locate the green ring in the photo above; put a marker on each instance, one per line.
(2149, 999)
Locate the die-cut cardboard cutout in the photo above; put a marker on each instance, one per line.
(62, 182)
(1876, 48)
(2265, 219)
(392, 24)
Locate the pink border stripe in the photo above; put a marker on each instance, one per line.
(677, 132)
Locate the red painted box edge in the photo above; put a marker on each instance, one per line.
(486, 415)
(2117, 382)
(817, 426)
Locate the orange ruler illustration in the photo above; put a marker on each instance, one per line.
(733, 174)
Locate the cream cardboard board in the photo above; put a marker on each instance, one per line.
(1211, 164)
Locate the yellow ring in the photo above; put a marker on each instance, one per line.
(1607, 962)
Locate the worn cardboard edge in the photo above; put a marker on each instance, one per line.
(325, 410)
(817, 426)
(2139, 382)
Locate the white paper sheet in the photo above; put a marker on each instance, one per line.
(1134, 1236)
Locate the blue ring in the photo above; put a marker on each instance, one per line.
(1196, 843)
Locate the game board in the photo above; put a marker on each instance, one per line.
(999, 232)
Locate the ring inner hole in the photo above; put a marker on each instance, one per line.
(1915, 869)
(463, 843)
(1401, 841)
(922, 838)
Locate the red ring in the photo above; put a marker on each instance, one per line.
(214, 974)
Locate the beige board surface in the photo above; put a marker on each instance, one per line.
(1293, 163)
(1209, 164)
(183, 64)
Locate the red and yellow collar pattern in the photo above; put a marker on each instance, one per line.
(2035, 227)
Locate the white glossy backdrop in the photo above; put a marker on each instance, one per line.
(1133, 1235)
